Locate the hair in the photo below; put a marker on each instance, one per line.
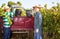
(18, 12)
(4, 10)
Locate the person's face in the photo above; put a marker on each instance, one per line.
(36, 9)
(8, 10)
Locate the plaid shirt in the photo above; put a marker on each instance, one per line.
(5, 20)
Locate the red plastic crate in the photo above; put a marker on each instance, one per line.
(22, 23)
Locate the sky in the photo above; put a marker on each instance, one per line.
(27, 4)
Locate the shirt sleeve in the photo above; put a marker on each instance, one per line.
(11, 15)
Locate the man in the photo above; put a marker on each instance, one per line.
(37, 23)
(6, 24)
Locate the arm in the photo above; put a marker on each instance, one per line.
(11, 15)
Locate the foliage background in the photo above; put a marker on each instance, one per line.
(51, 20)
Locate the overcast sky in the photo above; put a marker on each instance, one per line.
(29, 3)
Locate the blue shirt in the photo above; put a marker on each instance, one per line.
(37, 19)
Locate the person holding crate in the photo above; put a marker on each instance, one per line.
(7, 22)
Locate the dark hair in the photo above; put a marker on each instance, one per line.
(28, 13)
(18, 12)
